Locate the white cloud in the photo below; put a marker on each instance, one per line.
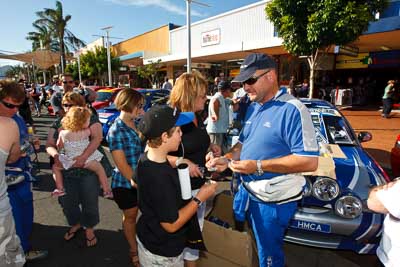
(165, 4)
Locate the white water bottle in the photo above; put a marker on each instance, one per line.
(184, 180)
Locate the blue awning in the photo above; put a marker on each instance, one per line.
(384, 25)
(132, 55)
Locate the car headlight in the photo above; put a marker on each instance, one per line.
(348, 207)
(325, 189)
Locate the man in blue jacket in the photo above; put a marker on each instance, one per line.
(277, 141)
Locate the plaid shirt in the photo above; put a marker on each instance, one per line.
(122, 137)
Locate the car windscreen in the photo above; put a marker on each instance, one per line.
(103, 96)
(337, 131)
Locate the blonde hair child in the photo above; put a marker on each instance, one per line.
(72, 141)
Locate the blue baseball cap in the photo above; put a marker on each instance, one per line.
(161, 118)
(252, 63)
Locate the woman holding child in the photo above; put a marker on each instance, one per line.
(81, 186)
(189, 95)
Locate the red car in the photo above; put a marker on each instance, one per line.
(105, 97)
(395, 158)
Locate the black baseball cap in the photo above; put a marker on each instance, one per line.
(161, 118)
(252, 63)
(224, 85)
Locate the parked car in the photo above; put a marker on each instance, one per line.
(152, 97)
(96, 88)
(333, 212)
(395, 158)
(105, 97)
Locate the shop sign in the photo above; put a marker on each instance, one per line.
(385, 59)
(201, 65)
(346, 62)
(211, 37)
(123, 68)
(234, 72)
(346, 50)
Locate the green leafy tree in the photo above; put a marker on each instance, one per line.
(55, 21)
(149, 71)
(94, 65)
(309, 27)
(16, 72)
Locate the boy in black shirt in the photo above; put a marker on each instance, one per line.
(161, 231)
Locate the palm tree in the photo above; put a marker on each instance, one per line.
(54, 19)
(43, 38)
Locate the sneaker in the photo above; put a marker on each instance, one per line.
(58, 193)
(14, 179)
(36, 255)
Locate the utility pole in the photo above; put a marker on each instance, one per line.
(107, 29)
(189, 34)
(79, 67)
(44, 71)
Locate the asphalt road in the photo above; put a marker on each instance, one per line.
(112, 249)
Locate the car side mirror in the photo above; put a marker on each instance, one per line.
(364, 137)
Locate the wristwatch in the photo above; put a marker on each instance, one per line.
(198, 201)
(259, 168)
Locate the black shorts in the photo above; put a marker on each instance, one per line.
(125, 198)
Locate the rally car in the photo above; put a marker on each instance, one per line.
(105, 97)
(152, 97)
(333, 212)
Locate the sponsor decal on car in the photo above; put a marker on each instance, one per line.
(310, 226)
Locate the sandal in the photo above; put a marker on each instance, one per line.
(90, 242)
(69, 235)
(134, 258)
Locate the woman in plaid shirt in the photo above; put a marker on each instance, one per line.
(125, 146)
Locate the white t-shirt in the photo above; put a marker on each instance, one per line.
(389, 249)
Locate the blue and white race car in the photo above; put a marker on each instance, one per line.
(152, 97)
(333, 212)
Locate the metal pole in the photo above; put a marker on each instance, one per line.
(62, 64)
(79, 68)
(189, 41)
(109, 59)
(34, 71)
(44, 71)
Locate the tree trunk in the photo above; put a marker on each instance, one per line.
(312, 63)
(62, 52)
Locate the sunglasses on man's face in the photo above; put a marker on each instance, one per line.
(65, 82)
(9, 105)
(253, 80)
(67, 105)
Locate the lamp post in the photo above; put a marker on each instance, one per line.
(189, 36)
(44, 71)
(79, 66)
(107, 29)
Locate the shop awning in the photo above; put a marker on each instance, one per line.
(43, 59)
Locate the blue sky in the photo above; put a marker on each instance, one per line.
(129, 17)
